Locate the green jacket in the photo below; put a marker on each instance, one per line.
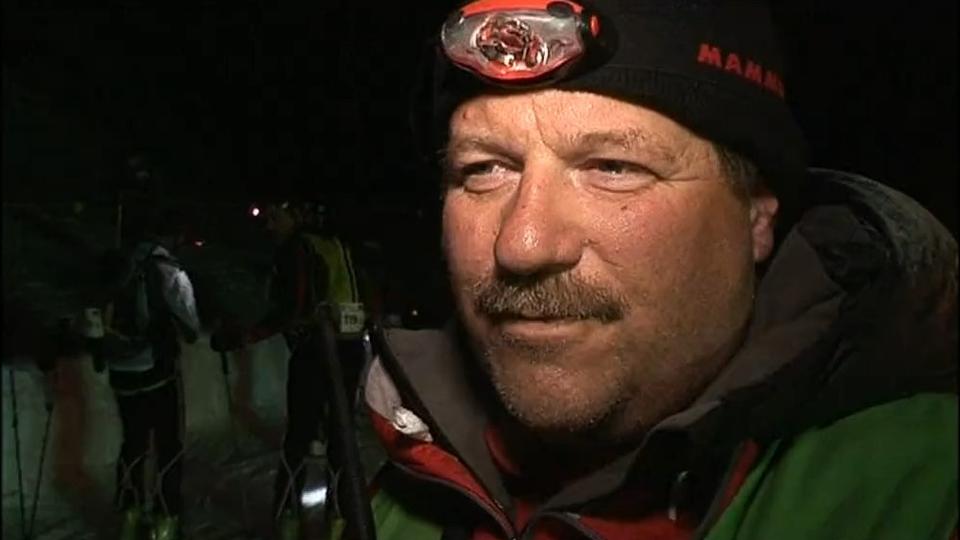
(836, 419)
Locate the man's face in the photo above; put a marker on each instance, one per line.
(601, 264)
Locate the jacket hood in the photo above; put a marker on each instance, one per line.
(858, 307)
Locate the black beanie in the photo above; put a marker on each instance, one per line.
(713, 66)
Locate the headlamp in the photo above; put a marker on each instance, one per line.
(522, 42)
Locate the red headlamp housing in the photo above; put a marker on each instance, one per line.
(521, 42)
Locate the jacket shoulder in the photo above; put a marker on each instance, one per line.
(887, 472)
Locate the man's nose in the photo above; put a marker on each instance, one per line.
(538, 232)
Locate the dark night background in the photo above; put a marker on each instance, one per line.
(235, 103)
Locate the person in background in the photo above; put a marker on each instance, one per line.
(313, 271)
(150, 309)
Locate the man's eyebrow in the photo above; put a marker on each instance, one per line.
(626, 139)
(473, 142)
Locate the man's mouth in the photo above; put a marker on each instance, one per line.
(543, 329)
(535, 316)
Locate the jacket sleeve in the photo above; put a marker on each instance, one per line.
(298, 279)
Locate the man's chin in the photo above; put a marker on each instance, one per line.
(551, 398)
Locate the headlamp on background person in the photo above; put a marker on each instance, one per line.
(521, 42)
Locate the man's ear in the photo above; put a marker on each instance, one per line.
(763, 219)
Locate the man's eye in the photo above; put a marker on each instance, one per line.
(474, 169)
(617, 175)
(617, 167)
(482, 176)
(611, 166)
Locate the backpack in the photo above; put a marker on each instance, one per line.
(130, 343)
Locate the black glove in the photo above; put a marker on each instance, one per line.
(227, 338)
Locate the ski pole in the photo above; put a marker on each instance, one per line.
(43, 454)
(356, 509)
(225, 368)
(16, 442)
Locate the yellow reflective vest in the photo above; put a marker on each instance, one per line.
(343, 293)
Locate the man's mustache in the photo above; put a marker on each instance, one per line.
(560, 296)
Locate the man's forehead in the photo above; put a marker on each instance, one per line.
(569, 118)
(629, 138)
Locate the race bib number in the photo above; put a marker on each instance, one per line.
(351, 318)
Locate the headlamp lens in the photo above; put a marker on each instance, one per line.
(516, 44)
